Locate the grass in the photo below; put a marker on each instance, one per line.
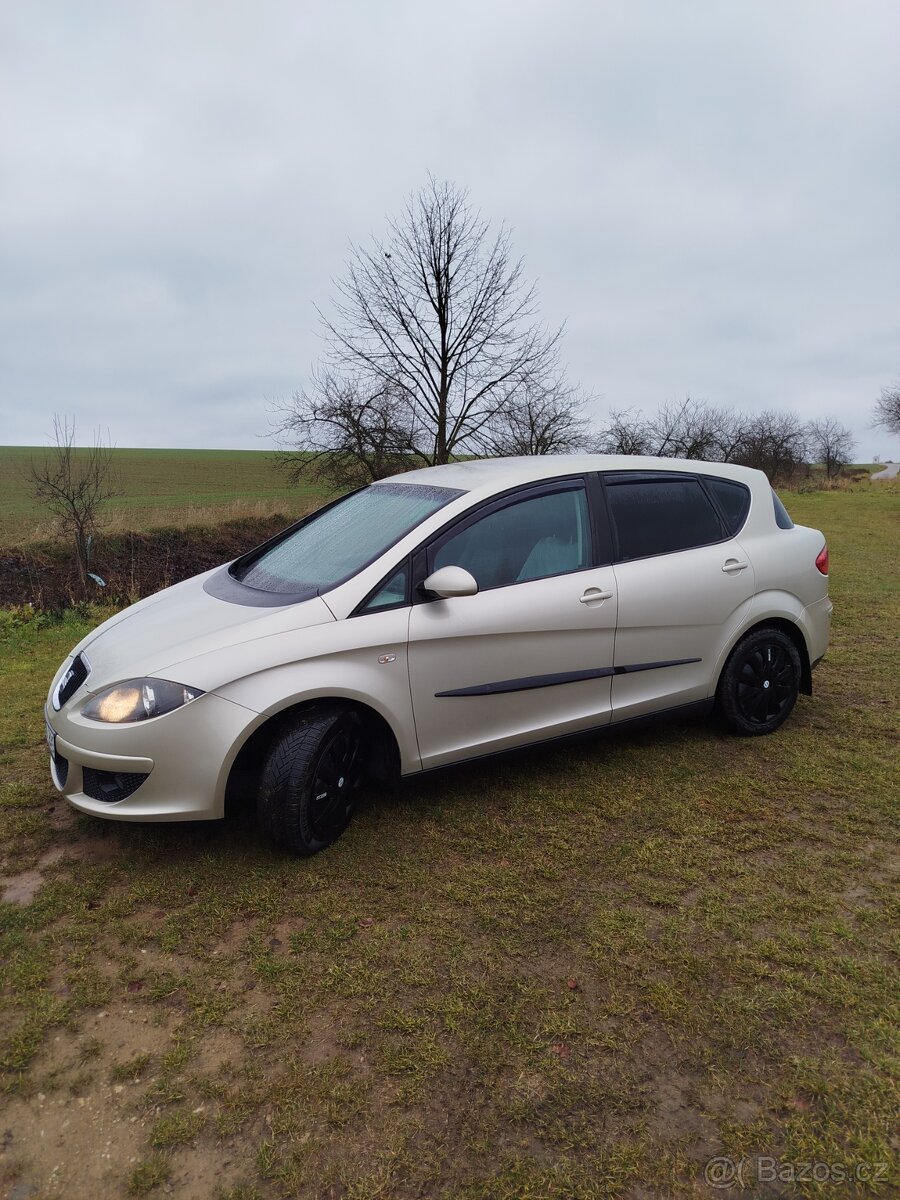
(163, 488)
(578, 972)
(160, 488)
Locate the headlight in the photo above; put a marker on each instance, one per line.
(138, 699)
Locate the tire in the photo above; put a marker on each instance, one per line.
(759, 685)
(310, 780)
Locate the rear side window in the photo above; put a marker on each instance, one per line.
(782, 516)
(661, 516)
(733, 499)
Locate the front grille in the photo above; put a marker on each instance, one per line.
(71, 681)
(110, 786)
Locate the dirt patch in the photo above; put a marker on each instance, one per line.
(64, 1146)
(82, 1128)
(321, 1045)
(95, 849)
(678, 1114)
(220, 1049)
(684, 1106)
(22, 888)
(198, 1173)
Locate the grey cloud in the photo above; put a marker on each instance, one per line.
(708, 193)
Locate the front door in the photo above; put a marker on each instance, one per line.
(531, 655)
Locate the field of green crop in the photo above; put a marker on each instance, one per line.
(160, 487)
(165, 488)
(585, 971)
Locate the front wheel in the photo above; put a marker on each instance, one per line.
(760, 683)
(310, 780)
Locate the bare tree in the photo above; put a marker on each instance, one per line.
(73, 484)
(830, 443)
(887, 409)
(345, 434)
(728, 434)
(683, 429)
(626, 432)
(690, 429)
(773, 442)
(440, 314)
(539, 420)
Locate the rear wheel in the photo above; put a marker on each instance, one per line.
(760, 683)
(310, 780)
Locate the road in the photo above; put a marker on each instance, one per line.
(889, 472)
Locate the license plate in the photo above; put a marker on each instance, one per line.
(51, 738)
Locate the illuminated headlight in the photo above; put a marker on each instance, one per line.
(138, 699)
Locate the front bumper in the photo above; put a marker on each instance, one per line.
(185, 757)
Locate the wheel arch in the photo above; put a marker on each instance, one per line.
(793, 631)
(243, 775)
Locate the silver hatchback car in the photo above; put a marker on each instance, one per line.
(438, 616)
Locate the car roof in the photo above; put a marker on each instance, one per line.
(496, 474)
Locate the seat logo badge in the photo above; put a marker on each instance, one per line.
(387, 658)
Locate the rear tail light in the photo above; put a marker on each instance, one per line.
(822, 559)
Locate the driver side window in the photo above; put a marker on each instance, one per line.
(528, 539)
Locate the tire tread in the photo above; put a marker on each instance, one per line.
(287, 775)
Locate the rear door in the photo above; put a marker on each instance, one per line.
(531, 655)
(684, 585)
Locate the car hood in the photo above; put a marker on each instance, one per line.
(181, 623)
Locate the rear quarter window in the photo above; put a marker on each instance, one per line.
(782, 516)
(733, 500)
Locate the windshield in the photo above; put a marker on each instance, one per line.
(339, 541)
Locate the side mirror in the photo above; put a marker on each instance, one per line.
(451, 581)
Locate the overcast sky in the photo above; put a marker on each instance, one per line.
(708, 194)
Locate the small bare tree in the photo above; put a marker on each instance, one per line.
(346, 435)
(728, 434)
(73, 484)
(774, 442)
(887, 409)
(688, 429)
(683, 429)
(830, 443)
(626, 432)
(538, 420)
(439, 314)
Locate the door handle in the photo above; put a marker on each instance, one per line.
(594, 595)
(733, 566)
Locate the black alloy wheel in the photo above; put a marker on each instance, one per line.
(335, 781)
(760, 683)
(311, 778)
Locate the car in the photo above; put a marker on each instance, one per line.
(438, 616)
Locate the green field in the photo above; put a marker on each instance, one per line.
(165, 488)
(582, 972)
(160, 487)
